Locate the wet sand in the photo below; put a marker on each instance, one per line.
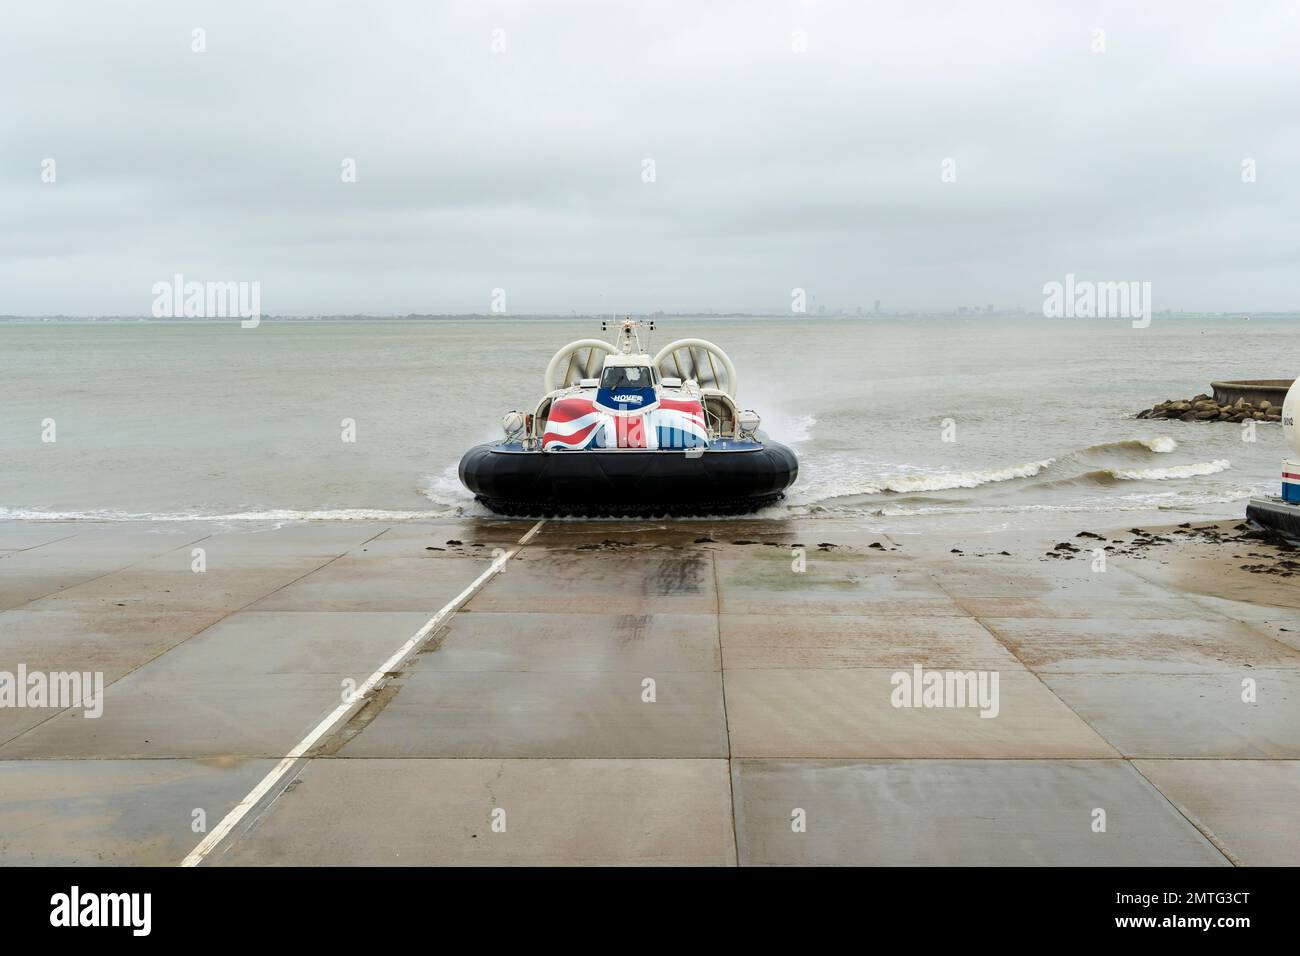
(521, 731)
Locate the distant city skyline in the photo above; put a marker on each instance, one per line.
(959, 312)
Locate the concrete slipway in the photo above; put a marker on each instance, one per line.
(1119, 691)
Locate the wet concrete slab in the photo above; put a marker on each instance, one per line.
(552, 685)
(600, 582)
(539, 681)
(452, 538)
(16, 721)
(205, 717)
(882, 608)
(548, 714)
(1080, 604)
(832, 583)
(850, 713)
(1070, 580)
(252, 685)
(641, 644)
(249, 644)
(994, 577)
(1280, 623)
(113, 643)
(27, 576)
(797, 641)
(441, 812)
(86, 642)
(1189, 715)
(125, 542)
(159, 587)
(959, 813)
(882, 596)
(1250, 808)
(566, 534)
(836, 574)
(114, 812)
(364, 583)
(22, 535)
(315, 539)
(1107, 645)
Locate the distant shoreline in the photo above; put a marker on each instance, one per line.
(590, 317)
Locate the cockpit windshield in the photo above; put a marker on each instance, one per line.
(626, 376)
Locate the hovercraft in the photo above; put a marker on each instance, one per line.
(619, 432)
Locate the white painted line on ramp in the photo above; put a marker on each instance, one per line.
(326, 726)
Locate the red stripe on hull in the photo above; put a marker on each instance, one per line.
(577, 438)
(567, 409)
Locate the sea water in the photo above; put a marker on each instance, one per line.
(367, 418)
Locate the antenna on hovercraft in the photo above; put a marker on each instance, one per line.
(627, 335)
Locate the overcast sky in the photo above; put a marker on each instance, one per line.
(523, 169)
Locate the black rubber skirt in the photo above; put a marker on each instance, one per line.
(634, 483)
(1274, 514)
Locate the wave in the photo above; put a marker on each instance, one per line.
(1106, 477)
(1174, 471)
(1161, 445)
(1149, 503)
(1107, 463)
(936, 481)
(903, 492)
(1175, 501)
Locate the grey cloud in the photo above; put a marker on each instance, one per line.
(522, 169)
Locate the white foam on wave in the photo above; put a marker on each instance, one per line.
(944, 481)
(1161, 444)
(1194, 470)
(829, 479)
(1163, 501)
(914, 482)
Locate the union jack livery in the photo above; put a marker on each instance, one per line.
(579, 422)
(619, 432)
